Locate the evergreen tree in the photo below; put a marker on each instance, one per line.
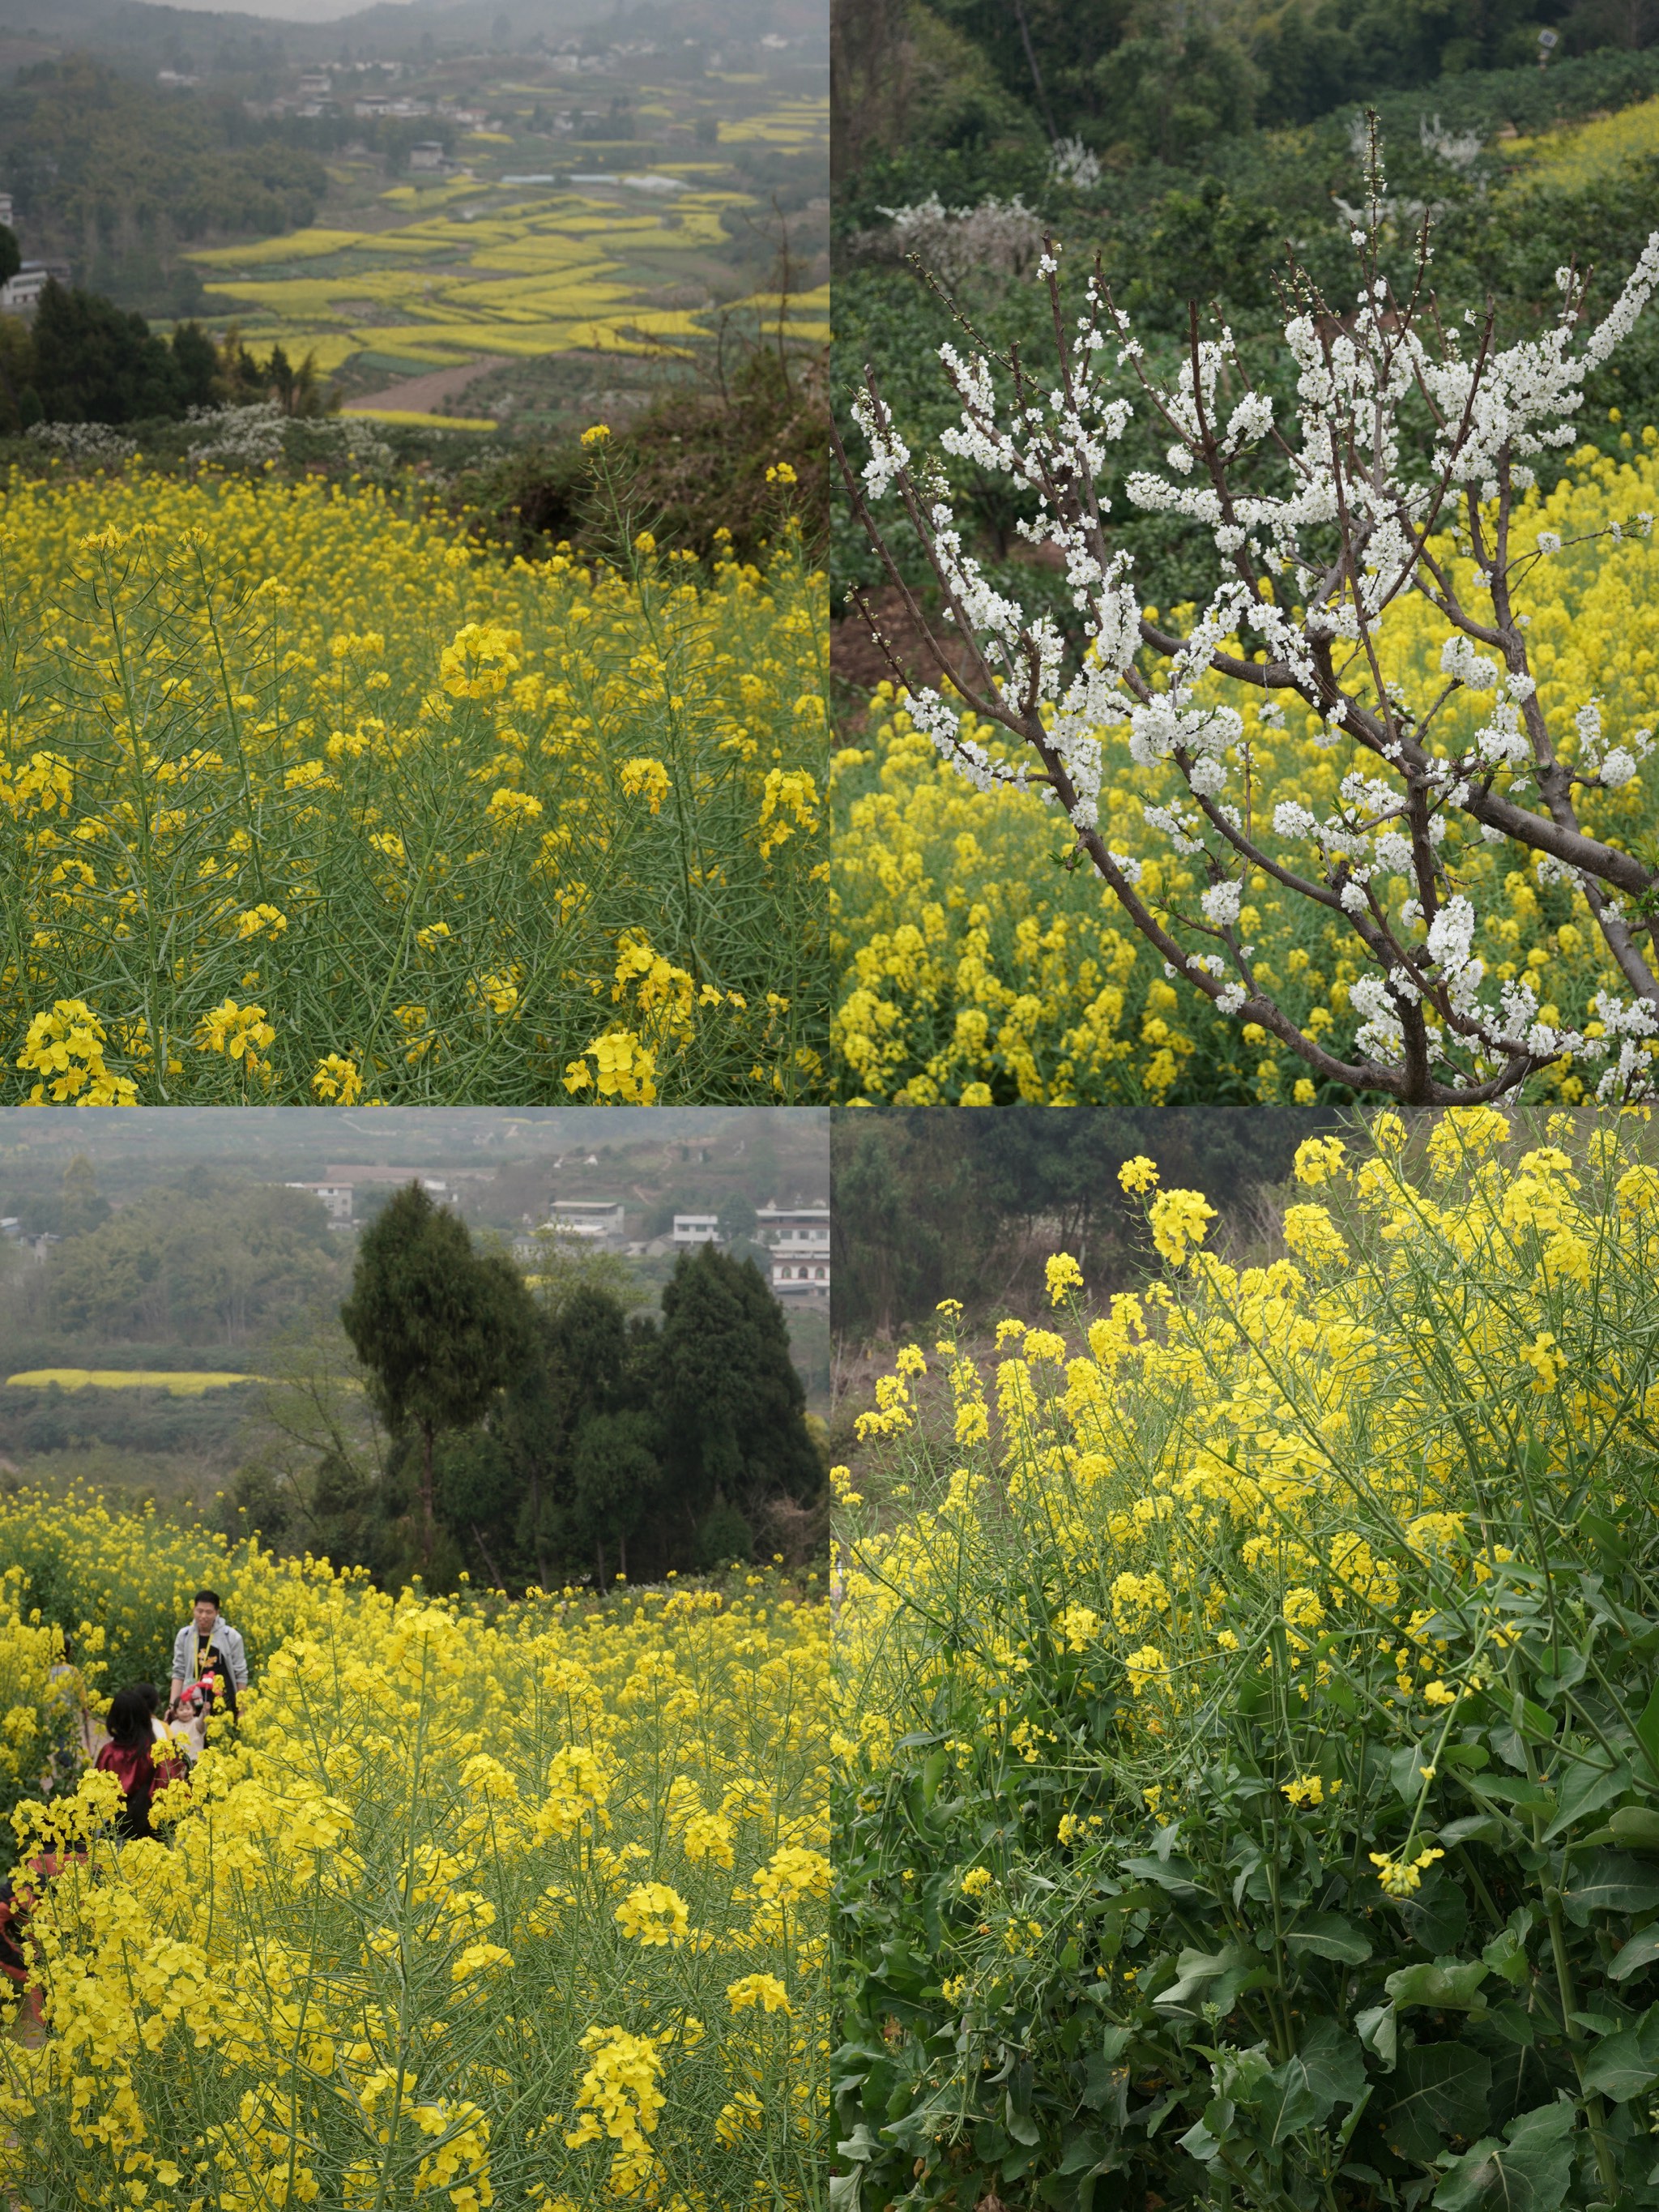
(476, 1497)
(587, 1365)
(195, 366)
(733, 1408)
(95, 364)
(614, 1476)
(441, 1329)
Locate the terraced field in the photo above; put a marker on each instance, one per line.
(446, 272)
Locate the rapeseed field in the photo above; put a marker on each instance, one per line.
(183, 1383)
(302, 800)
(976, 969)
(477, 1903)
(1210, 1674)
(504, 273)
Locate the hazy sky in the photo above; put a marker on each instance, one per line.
(283, 11)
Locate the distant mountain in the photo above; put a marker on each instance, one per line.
(512, 23)
(234, 36)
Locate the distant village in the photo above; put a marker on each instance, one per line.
(21, 292)
(795, 1237)
(367, 89)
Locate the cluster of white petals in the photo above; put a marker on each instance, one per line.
(1291, 619)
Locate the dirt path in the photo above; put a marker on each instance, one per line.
(420, 394)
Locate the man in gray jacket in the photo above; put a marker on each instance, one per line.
(208, 1650)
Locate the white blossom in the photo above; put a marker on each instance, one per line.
(1366, 469)
(1458, 659)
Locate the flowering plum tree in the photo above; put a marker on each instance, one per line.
(1405, 473)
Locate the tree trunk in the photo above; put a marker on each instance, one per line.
(622, 1546)
(490, 1568)
(428, 1526)
(600, 1551)
(536, 1517)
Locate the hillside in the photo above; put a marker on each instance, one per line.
(438, 196)
(165, 1246)
(1524, 170)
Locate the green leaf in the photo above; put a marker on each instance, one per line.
(1531, 1721)
(1506, 1954)
(1561, 1670)
(1525, 1796)
(1616, 2069)
(1200, 2142)
(1647, 1729)
(1083, 2148)
(1625, 2065)
(1329, 1935)
(1405, 1772)
(1285, 2105)
(1473, 1828)
(1379, 2031)
(1251, 1696)
(860, 2145)
(1527, 2172)
(1610, 1882)
(1514, 2023)
(1588, 1785)
(1436, 1916)
(1333, 2064)
(1635, 1828)
(1105, 2085)
(1443, 2088)
(1607, 1537)
(1447, 1985)
(1196, 1970)
(1172, 1874)
(1641, 1951)
(1469, 1758)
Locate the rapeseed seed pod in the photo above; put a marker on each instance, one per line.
(1219, 1691)
(292, 725)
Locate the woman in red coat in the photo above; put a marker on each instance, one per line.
(130, 1756)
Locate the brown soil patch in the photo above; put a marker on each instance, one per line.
(421, 395)
(858, 664)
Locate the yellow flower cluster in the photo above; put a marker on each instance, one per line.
(65, 1049)
(1255, 1460)
(303, 799)
(979, 966)
(422, 1927)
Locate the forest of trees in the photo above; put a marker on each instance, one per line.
(119, 178)
(1197, 148)
(417, 1401)
(1152, 79)
(214, 1268)
(81, 359)
(932, 1202)
(532, 1434)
